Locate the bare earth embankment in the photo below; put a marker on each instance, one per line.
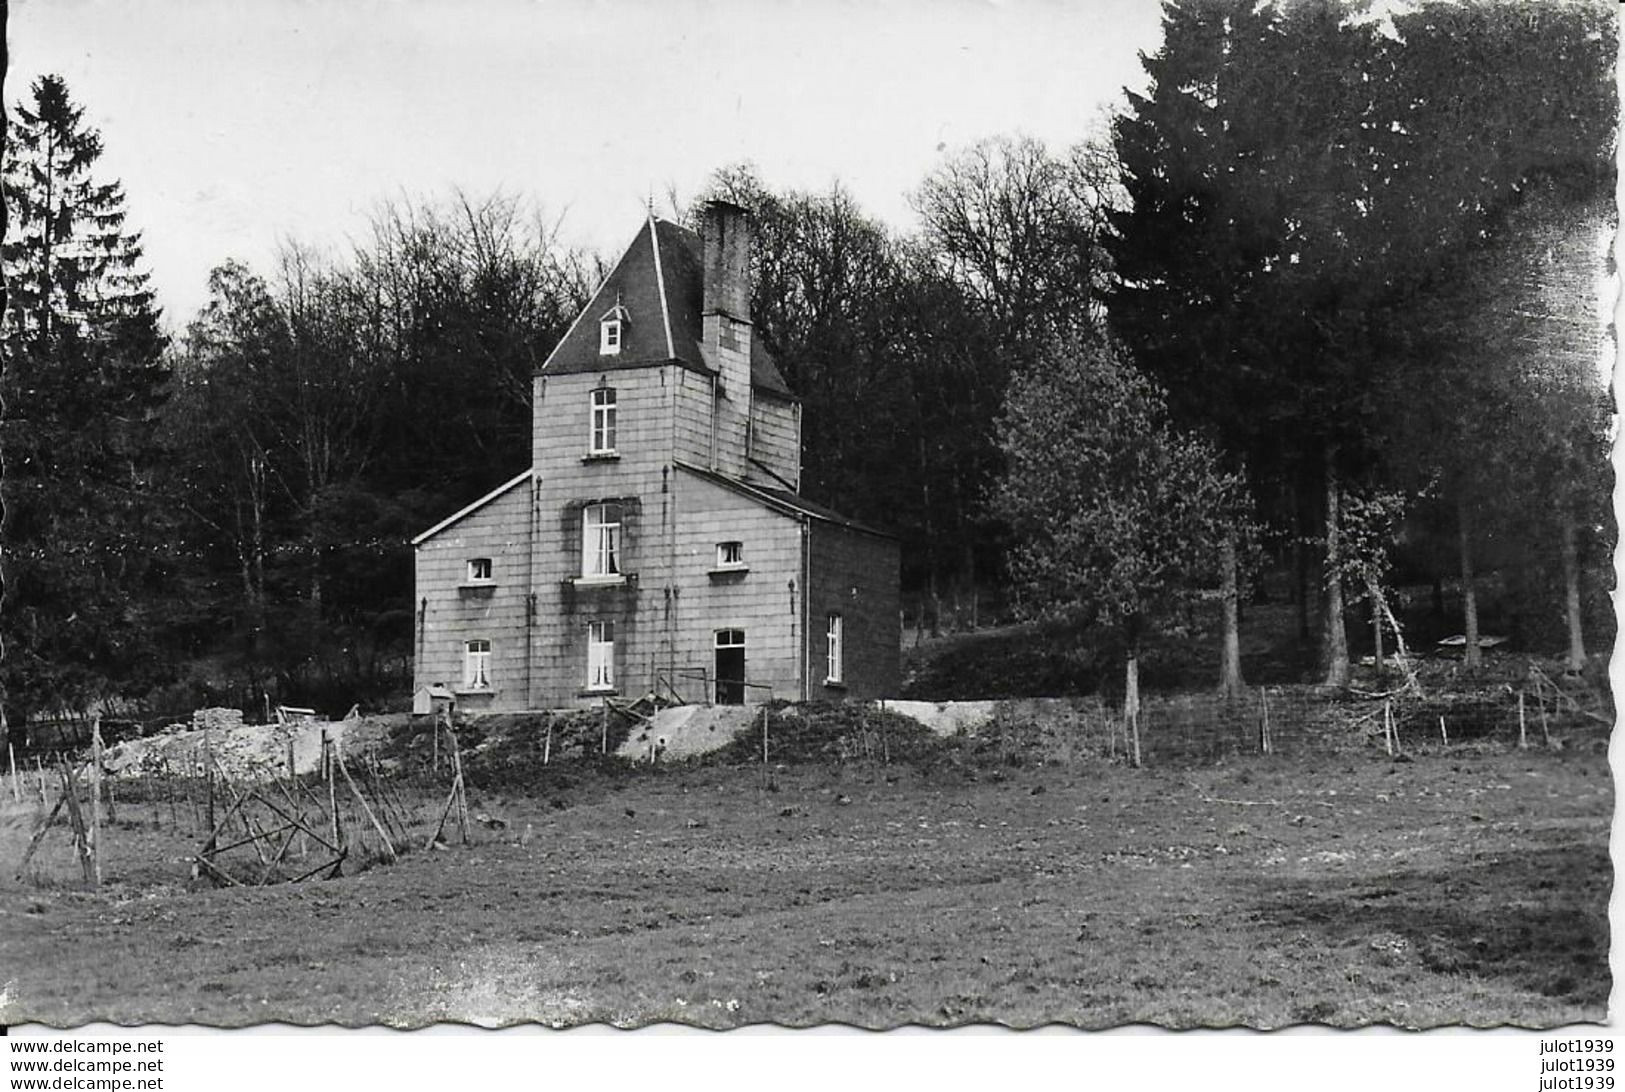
(1461, 887)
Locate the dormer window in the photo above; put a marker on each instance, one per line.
(612, 330)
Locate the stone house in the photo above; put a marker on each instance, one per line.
(657, 542)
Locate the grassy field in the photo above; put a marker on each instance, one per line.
(1465, 886)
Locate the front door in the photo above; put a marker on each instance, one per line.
(730, 676)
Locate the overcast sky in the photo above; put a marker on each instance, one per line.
(234, 125)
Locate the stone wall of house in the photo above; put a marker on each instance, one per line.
(452, 609)
(854, 574)
(775, 440)
(762, 598)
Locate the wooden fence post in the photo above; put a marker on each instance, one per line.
(332, 792)
(1523, 728)
(1266, 743)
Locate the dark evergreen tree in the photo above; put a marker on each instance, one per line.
(83, 379)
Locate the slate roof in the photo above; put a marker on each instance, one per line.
(784, 500)
(658, 283)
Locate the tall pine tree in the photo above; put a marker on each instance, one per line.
(83, 379)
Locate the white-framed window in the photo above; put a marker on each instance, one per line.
(601, 540)
(833, 649)
(600, 655)
(476, 665)
(609, 337)
(480, 570)
(730, 555)
(603, 422)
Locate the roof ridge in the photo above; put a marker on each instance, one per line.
(660, 285)
(528, 472)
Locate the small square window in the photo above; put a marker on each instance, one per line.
(609, 337)
(479, 570)
(730, 555)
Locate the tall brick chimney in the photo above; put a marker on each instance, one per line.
(726, 328)
(726, 235)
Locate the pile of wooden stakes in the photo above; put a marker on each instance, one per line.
(387, 816)
(294, 825)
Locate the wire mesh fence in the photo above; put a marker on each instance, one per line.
(1299, 719)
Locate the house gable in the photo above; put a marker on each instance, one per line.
(469, 510)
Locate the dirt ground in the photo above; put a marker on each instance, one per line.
(1464, 886)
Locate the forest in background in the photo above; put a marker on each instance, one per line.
(1321, 301)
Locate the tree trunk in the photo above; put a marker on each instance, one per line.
(1571, 591)
(1300, 568)
(968, 568)
(1470, 654)
(1230, 682)
(1131, 703)
(1337, 641)
(1379, 607)
(936, 604)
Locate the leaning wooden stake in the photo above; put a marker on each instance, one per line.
(1388, 727)
(451, 800)
(547, 747)
(81, 840)
(39, 834)
(332, 794)
(1540, 699)
(16, 789)
(461, 784)
(1444, 734)
(208, 767)
(96, 800)
(389, 847)
(1523, 727)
